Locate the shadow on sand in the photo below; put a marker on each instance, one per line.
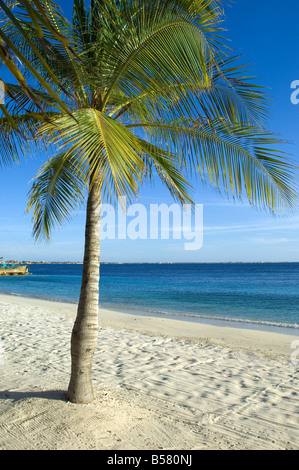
(59, 395)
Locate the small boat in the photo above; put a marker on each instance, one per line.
(12, 269)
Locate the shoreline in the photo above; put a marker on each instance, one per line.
(262, 341)
(257, 325)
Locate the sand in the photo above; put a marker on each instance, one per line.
(160, 384)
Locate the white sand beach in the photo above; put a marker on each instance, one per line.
(160, 383)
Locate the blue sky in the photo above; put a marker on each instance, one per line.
(268, 35)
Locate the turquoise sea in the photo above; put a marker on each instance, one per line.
(261, 295)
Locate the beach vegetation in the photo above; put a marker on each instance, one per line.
(136, 90)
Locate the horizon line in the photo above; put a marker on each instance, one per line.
(161, 262)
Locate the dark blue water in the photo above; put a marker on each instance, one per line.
(265, 294)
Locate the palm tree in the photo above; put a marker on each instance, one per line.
(152, 92)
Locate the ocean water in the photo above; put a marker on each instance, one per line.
(261, 295)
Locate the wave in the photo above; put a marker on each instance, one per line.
(203, 318)
(186, 316)
(40, 297)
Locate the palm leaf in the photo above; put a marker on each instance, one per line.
(165, 46)
(233, 158)
(8, 48)
(57, 191)
(102, 147)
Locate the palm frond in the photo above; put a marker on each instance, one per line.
(104, 148)
(235, 158)
(12, 57)
(57, 191)
(18, 137)
(165, 46)
(166, 165)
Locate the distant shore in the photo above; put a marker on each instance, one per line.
(158, 262)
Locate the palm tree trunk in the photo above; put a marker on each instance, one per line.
(85, 331)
